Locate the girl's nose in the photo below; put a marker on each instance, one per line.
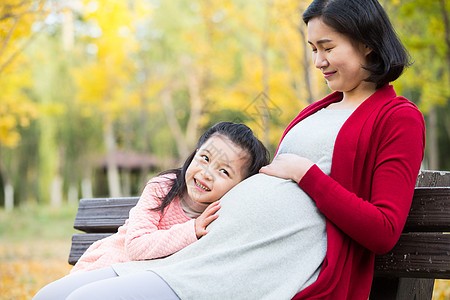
(206, 173)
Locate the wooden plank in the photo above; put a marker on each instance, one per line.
(103, 214)
(415, 288)
(417, 255)
(82, 241)
(433, 178)
(388, 288)
(430, 210)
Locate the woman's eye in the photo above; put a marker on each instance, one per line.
(328, 49)
(204, 157)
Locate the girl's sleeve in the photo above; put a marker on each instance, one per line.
(376, 223)
(143, 238)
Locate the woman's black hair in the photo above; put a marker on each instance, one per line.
(367, 22)
(240, 135)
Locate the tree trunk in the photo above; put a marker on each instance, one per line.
(56, 191)
(86, 188)
(265, 113)
(112, 169)
(126, 182)
(445, 18)
(72, 194)
(8, 188)
(193, 82)
(9, 196)
(306, 65)
(432, 140)
(166, 98)
(447, 32)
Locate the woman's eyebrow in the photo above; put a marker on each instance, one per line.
(322, 41)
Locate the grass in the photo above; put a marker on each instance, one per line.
(34, 247)
(35, 244)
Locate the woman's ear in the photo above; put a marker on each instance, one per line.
(366, 49)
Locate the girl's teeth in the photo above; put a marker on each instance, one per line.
(201, 186)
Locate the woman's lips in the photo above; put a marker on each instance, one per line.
(328, 74)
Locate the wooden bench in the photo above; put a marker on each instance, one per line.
(407, 272)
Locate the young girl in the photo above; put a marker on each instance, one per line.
(176, 206)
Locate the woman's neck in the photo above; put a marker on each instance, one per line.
(352, 99)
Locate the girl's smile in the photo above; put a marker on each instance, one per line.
(201, 187)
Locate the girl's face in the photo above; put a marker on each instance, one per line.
(339, 58)
(217, 166)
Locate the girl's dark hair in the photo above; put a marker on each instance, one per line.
(367, 22)
(240, 135)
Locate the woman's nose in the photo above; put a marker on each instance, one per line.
(320, 61)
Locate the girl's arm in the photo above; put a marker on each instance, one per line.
(144, 240)
(375, 223)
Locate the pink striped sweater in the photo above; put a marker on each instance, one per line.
(146, 234)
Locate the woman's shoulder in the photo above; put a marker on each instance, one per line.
(401, 113)
(402, 107)
(390, 105)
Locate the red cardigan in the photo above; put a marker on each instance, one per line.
(367, 196)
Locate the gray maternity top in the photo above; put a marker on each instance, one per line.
(269, 241)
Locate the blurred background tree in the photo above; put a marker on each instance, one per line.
(427, 37)
(17, 109)
(97, 96)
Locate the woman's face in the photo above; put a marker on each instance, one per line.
(338, 57)
(218, 166)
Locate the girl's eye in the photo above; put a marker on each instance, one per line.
(225, 172)
(204, 157)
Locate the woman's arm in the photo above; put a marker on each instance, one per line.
(144, 240)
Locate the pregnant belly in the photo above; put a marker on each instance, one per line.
(263, 204)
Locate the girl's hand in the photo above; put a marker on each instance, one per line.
(288, 166)
(206, 218)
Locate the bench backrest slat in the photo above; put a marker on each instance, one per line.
(417, 255)
(429, 178)
(82, 241)
(103, 214)
(430, 210)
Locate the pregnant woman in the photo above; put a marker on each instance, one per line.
(337, 192)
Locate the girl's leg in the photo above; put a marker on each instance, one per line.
(144, 285)
(61, 288)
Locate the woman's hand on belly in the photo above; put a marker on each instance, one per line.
(288, 166)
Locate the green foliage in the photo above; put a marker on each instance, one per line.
(109, 64)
